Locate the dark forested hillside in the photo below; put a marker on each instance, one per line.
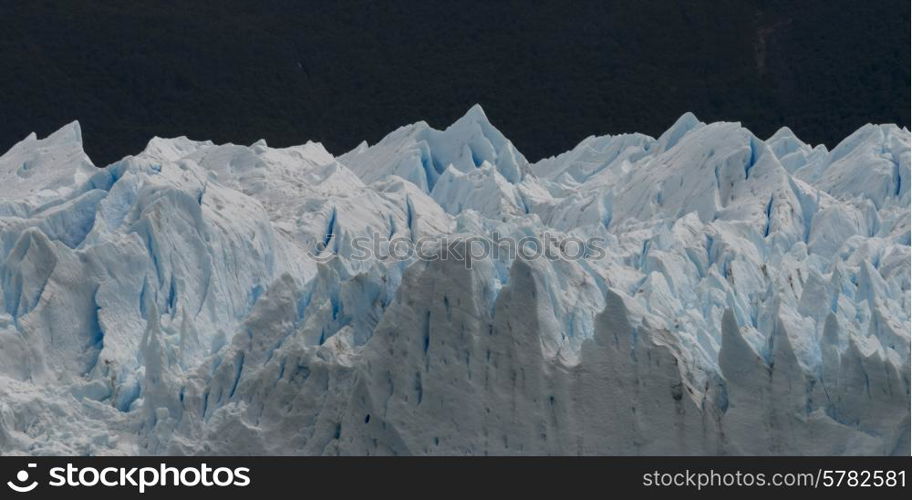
(547, 73)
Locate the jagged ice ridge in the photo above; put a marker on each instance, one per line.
(755, 297)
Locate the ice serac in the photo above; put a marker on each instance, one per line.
(421, 154)
(732, 295)
(885, 151)
(39, 172)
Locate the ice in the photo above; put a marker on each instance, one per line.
(37, 172)
(749, 296)
(421, 154)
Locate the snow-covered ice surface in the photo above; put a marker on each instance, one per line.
(753, 298)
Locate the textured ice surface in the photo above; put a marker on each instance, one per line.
(200, 298)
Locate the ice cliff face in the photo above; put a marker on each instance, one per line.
(752, 297)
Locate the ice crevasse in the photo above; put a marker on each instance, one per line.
(753, 296)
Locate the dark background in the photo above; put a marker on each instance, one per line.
(547, 73)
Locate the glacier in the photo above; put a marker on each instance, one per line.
(753, 296)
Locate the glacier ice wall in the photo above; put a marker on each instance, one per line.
(753, 296)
